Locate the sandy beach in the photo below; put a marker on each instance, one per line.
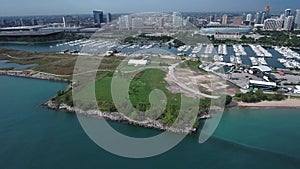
(288, 103)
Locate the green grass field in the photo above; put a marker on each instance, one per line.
(140, 87)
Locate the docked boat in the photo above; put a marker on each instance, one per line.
(254, 61)
(262, 61)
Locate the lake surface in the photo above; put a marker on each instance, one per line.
(32, 137)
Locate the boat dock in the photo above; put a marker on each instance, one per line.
(239, 50)
(260, 51)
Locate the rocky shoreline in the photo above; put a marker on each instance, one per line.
(112, 116)
(119, 117)
(33, 75)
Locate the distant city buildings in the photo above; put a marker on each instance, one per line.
(286, 21)
(152, 21)
(137, 23)
(67, 20)
(70, 21)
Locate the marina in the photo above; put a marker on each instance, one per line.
(291, 58)
(287, 52)
(184, 48)
(197, 49)
(222, 49)
(209, 49)
(260, 51)
(239, 50)
(281, 57)
(218, 58)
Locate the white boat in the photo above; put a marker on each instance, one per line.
(254, 61)
(209, 49)
(238, 60)
(218, 58)
(262, 61)
(287, 52)
(239, 50)
(232, 59)
(282, 60)
(222, 49)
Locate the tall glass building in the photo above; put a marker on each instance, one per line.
(98, 17)
(177, 20)
(297, 19)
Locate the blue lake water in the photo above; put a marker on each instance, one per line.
(32, 137)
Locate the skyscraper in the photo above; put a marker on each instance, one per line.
(287, 12)
(124, 22)
(249, 17)
(67, 21)
(177, 20)
(263, 17)
(288, 23)
(108, 17)
(98, 17)
(297, 19)
(215, 18)
(224, 19)
(258, 17)
(267, 11)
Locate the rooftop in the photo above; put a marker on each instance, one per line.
(262, 83)
(20, 28)
(28, 33)
(262, 68)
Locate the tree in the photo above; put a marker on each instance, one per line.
(228, 99)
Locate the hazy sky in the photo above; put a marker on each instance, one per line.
(41, 7)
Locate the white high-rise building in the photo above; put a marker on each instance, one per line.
(297, 19)
(249, 17)
(177, 20)
(67, 21)
(288, 23)
(224, 19)
(287, 12)
(124, 22)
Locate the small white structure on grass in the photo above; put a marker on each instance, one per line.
(134, 62)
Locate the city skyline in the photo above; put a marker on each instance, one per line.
(55, 7)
